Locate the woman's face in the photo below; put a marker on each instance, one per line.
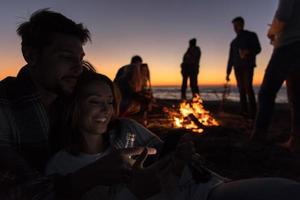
(97, 108)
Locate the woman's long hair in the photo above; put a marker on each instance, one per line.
(146, 78)
(72, 119)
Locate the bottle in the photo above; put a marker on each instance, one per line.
(130, 138)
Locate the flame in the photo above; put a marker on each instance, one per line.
(196, 108)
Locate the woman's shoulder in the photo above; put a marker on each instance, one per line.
(131, 124)
(128, 122)
(143, 135)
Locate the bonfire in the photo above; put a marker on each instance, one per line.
(192, 115)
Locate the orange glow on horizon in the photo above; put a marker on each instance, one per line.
(162, 73)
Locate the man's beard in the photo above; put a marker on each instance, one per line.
(60, 90)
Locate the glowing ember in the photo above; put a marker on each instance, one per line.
(192, 116)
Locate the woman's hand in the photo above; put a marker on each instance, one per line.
(112, 169)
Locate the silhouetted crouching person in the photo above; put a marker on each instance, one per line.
(242, 57)
(284, 65)
(190, 68)
(136, 91)
(124, 81)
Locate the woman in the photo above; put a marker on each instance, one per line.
(146, 94)
(136, 91)
(92, 127)
(94, 131)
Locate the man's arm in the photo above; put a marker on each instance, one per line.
(198, 55)
(18, 180)
(229, 63)
(256, 44)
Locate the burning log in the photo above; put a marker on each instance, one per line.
(192, 115)
(196, 121)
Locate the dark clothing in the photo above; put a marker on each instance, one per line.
(121, 72)
(288, 11)
(24, 144)
(283, 66)
(29, 121)
(244, 78)
(193, 84)
(244, 68)
(190, 70)
(245, 40)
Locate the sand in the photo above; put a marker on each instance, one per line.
(227, 149)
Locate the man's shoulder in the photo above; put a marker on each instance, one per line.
(8, 82)
(233, 41)
(121, 72)
(250, 33)
(125, 67)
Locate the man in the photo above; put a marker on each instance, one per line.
(242, 57)
(52, 48)
(190, 68)
(284, 65)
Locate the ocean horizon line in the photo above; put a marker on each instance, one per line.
(206, 85)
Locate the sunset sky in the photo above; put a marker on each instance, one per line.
(158, 30)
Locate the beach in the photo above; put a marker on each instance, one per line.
(227, 149)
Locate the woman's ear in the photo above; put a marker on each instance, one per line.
(30, 55)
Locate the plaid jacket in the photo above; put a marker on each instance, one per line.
(24, 130)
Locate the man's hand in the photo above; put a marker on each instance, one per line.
(271, 35)
(276, 28)
(244, 53)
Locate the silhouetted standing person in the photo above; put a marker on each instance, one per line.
(242, 57)
(283, 66)
(190, 68)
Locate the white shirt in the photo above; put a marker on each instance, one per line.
(64, 162)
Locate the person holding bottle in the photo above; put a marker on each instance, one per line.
(284, 65)
(94, 131)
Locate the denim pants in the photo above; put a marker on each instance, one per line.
(283, 66)
(244, 79)
(193, 84)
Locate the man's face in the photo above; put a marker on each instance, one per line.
(59, 64)
(238, 27)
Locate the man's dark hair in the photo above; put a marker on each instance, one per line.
(239, 20)
(136, 58)
(43, 24)
(193, 42)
